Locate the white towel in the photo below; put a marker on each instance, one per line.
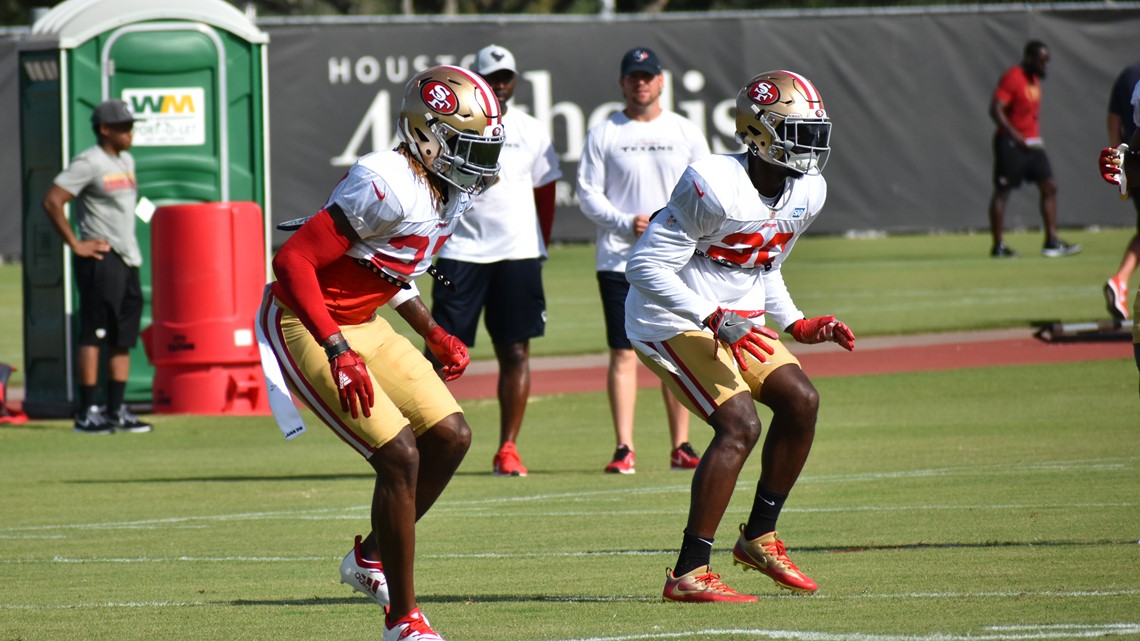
(280, 400)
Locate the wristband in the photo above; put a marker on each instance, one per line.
(336, 349)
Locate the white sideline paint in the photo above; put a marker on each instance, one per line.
(459, 507)
(989, 633)
(360, 511)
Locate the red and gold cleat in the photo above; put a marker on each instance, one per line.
(701, 585)
(766, 554)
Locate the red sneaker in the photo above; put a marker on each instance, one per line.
(507, 461)
(767, 554)
(684, 458)
(1116, 295)
(623, 461)
(700, 586)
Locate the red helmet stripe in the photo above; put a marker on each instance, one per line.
(484, 95)
(810, 92)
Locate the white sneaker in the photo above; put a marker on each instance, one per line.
(366, 577)
(413, 627)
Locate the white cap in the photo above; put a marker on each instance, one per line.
(493, 58)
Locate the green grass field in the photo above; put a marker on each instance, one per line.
(987, 504)
(977, 504)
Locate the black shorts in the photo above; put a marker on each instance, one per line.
(614, 289)
(1014, 163)
(510, 290)
(110, 301)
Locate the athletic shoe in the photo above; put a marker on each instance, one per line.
(684, 457)
(365, 576)
(507, 461)
(124, 421)
(92, 421)
(1058, 247)
(767, 554)
(701, 585)
(413, 627)
(1001, 250)
(623, 461)
(1116, 295)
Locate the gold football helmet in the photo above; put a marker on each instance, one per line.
(452, 123)
(780, 118)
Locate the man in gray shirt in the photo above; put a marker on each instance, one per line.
(101, 181)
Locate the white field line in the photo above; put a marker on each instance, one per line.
(1011, 594)
(458, 507)
(989, 633)
(360, 511)
(71, 560)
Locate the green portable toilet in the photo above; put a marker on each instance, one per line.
(194, 72)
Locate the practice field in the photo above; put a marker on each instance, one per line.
(978, 504)
(984, 503)
(879, 286)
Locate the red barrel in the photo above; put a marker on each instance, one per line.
(207, 275)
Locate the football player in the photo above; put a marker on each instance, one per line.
(1118, 166)
(704, 276)
(379, 229)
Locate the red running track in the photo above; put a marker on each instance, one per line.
(875, 356)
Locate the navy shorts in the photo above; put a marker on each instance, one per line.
(614, 288)
(1014, 163)
(110, 301)
(510, 291)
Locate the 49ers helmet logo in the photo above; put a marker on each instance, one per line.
(440, 98)
(763, 92)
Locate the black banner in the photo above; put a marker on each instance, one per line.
(908, 94)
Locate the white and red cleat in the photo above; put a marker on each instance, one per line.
(365, 576)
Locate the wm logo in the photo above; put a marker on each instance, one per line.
(165, 102)
(165, 105)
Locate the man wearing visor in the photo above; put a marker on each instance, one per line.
(704, 276)
(321, 336)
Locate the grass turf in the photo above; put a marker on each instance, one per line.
(990, 503)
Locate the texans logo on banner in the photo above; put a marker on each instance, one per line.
(440, 98)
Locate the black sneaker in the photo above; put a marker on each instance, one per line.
(124, 421)
(92, 421)
(1001, 250)
(1058, 247)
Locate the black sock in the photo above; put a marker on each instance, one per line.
(695, 552)
(765, 510)
(86, 397)
(116, 390)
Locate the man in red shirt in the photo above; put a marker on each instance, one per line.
(1019, 152)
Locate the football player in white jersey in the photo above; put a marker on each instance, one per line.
(629, 163)
(702, 277)
(381, 227)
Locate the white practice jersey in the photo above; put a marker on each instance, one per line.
(1136, 105)
(627, 169)
(391, 210)
(715, 210)
(502, 223)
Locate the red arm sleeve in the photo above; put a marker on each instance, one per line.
(316, 244)
(544, 204)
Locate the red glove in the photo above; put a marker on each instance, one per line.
(352, 381)
(824, 328)
(1111, 165)
(740, 333)
(448, 350)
